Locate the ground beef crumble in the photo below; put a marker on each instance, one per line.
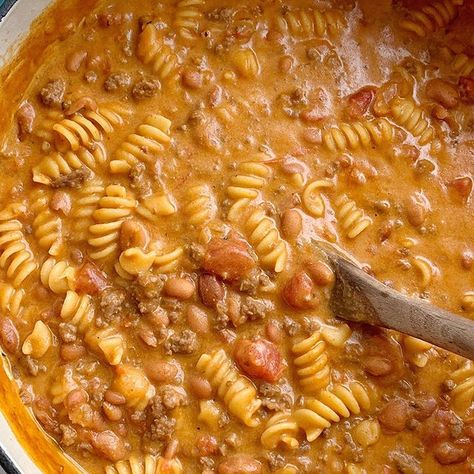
(74, 179)
(117, 80)
(139, 180)
(67, 332)
(276, 397)
(184, 343)
(145, 88)
(111, 301)
(52, 94)
(254, 309)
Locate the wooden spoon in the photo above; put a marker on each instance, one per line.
(360, 298)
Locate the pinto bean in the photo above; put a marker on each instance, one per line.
(462, 185)
(133, 234)
(321, 273)
(299, 292)
(359, 102)
(211, 290)
(192, 79)
(109, 446)
(424, 407)
(416, 212)
(259, 359)
(160, 371)
(112, 412)
(394, 415)
(274, 332)
(114, 397)
(84, 103)
(200, 387)
(207, 445)
(377, 366)
(285, 64)
(75, 60)
(70, 352)
(9, 336)
(442, 92)
(240, 464)
(291, 224)
(180, 288)
(467, 259)
(61, 201)
(90, 279)
(229, 259)
(466, 89)
(447, 453)
(198, 320)
(25, 118)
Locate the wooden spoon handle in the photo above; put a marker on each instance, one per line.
(359, 297)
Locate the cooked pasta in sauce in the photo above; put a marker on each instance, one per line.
(167, 168)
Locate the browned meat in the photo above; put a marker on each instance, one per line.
(74, 179)
(184, 343)
(139, 180)
(276, 397)
(52, 94)
(145, 88)
(25, 118)
(111, 301)
(117, 80)
(254, 309)
(67, 332)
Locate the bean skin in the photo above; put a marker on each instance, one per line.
(240, 464)
(200, 387)
(321, 273)
(9, 336)
(299, 292)
(160, 371)
(109, 445)
(291, 224)
(394, 415)
(198, 320)
(114, 397)
(180, 288)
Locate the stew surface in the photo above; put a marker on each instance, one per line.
(166, 170)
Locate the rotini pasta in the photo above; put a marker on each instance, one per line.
(462, 64)
(78, 310)
(167, 262)
(63, 385)
(84, 207)
(416, 350)
(425, 269)
(38, 342)
(88, 127)
(143, 145)
(44, 129)
(47, 227)
(156, 206)
(15, 253)
(56, 165)
(133, 262)
(311, 362)
(146, 465)
(431, 17)
(352, 220)
(11, 299)
(312, 200)
(113, 209)
(153, 51)
(133, 384)
(463, 391)
(280, 428)
(341, 401)
(409, 115)
(251, 177)
(467, 301)
(188, 18)
(200, 206)
(308, 23)
(57, 276)
(364, 134)
(107, 341)
(262, 234)
(245, 61)
(237, 392)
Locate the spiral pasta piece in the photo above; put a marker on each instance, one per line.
(237, 392)
(409, 115)
(416, 350)
(280, 429)
(78, 310)
(309, 23)
(56, 165)
(47, 226)
(251, 177)
(107, 341)
(153, 51)
(133, 262)
(156, 206)
(352, 220)
(462, 64)
(16, 256)
(188, 18)
(246, 63)
(467, 301)
(44, 129)
(331, 405)
(63, 384)
(84, 207)
(312, 199)
(463, 392)
(425, 270)
(200, 206)
(146, 465)
(133, 384)
(88, 127)
(364, 134)
(113, 209)
(167, 262)
(38, 342)
(311, 362)
(143, 145)
(11, 299)
(57, 276)
(262, 234)
(431, 18)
